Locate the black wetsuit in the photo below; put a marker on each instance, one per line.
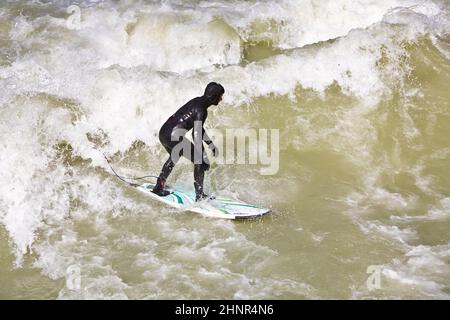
(172, 136)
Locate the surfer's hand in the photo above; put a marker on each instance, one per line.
(214, 149)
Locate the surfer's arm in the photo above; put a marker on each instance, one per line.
(210, 143)
(197, 133)
(206, 138)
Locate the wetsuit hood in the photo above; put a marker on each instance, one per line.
(213, 92)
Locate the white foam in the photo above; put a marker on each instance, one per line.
(292, 24)
(125, 79)
(440, 211)
(393, 232)
(129, 104)
(425, 271)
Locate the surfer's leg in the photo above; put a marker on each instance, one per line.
(199, 171)
(199, 176)
(166, 170)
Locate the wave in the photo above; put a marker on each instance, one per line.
(347, 73)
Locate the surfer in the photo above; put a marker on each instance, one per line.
(172, 136)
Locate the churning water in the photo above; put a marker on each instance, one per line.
(359, 91)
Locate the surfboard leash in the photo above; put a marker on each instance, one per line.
(122, 178)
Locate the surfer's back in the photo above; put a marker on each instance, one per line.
(184, 117)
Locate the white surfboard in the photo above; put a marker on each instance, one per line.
(217, 208)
